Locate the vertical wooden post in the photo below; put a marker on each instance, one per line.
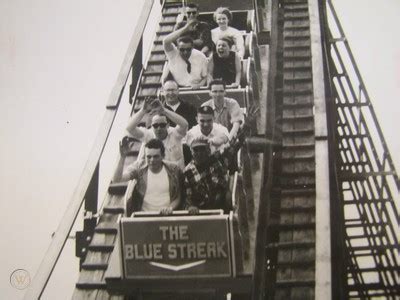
(136, 70)
(323, 260)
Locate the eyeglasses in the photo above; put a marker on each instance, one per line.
(159, 125)
(191, 12)
(185, 49)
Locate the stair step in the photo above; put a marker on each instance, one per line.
(114, 209)
(296, 17)
(170, 14)
(295, 226)
(297, 80)
(296, 27)
(290, 245)
(298, 173)
(163, 33)
(96, 258)
(101, 247)
(156, 61)
(94, 266)
(291, 106)
(294, 46)
(289, 56)
(295, 283)
(299, 146)
(294, 37)
(107, 227)
(87, 285)
(295, 3)
(298, 192)
(152, 73)
(151, 84)
(118, 188)
(167, 23)
(298, 158)
(91, 279)
(298, 131)
(297, 209)
(297, 264)
(297, 92)
(157, 52)
(297, 118)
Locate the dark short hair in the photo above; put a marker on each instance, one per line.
(223, 10)
(228, 39)
(205, 110)
(185, 39)
(217, 81)
(193, 5)
(156, 144)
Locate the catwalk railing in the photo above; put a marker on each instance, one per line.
(368, 185)
(87, 186)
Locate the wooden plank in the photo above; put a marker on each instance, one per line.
(60, 237)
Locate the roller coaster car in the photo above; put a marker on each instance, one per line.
(165, 253)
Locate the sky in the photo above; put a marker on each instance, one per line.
(58, 63)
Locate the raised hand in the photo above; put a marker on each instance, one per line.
(157, 106)
(148, 104)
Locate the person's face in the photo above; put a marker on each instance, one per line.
(201, 154)
(217, 92)
(191, 13)
(154, 159)
(185, 50)
(222, 48)
(205, 122)
(170, 91)
(222, 20)
(160, 127)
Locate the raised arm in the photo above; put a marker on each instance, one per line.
(181, 124)
(174, 35)
(137, 117)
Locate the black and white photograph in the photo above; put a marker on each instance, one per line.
(199, 149)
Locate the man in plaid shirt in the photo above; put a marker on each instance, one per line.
(206, 176)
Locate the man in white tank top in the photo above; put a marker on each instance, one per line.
(158, 183)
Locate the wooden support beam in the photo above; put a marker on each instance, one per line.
(323, 274)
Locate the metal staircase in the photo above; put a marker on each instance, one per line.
(367, 207)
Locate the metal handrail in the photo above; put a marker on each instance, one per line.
(364, 91)
(53, 253)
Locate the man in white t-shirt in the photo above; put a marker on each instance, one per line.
(170, 136)
(187, 66)
(216, 134)
(158, 183)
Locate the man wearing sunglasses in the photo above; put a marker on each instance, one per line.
(200, 33)
(187, 66)
(160, 129)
